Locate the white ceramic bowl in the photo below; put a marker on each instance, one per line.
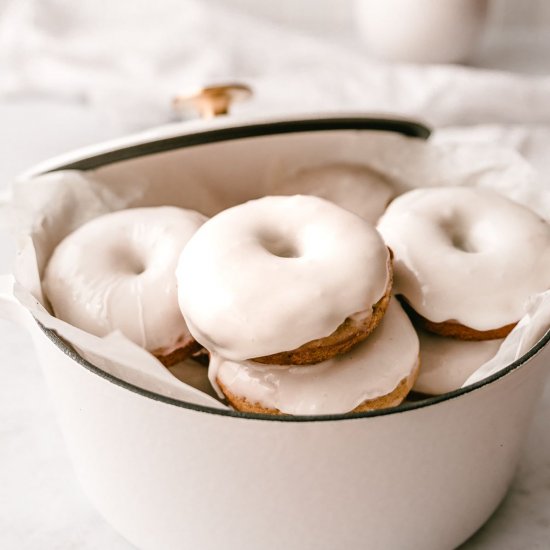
(169, 475)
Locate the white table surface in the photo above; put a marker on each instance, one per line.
(41, 503)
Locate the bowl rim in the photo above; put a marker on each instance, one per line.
(190, 135)
(405, 407)
(236, 131)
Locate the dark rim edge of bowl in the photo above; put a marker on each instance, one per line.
(410, 406)
(248, 130)
(400, 126)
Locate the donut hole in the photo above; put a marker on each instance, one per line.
(463, 243)
(135, 266)
(138, 269)
(129, 262)
(279, 245)
(459, 236)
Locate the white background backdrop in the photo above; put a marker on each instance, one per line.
(41, 505)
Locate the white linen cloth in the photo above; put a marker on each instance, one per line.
(132, 56)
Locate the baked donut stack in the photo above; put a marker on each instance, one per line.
(291, 297)
(467, 261)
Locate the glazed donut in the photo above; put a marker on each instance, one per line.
(117, 272)
(271, 279)
(447, 362)
(466, 260)
(351, 186)
(378, 373)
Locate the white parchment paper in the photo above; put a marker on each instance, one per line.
(47, 209)
(50, 206)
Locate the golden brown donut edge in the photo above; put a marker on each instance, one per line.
(189, 347)
(392, 399)
(347, 335)
(452, 329)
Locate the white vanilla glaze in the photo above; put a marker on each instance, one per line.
(351, 186)
(446, 363)
(117, 272)
(372, 369)
(272, 274)
(466, 255)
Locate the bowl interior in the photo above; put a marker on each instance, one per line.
(211, 170)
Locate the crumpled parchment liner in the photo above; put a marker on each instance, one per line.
(531, 328)
(47, 209)
(118, 356)
(50, 206)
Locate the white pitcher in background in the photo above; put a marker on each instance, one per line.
(421, 31)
